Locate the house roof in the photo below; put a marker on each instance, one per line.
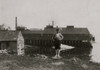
(67, 31)
(49, 31)
(8, 35)
(75, 31)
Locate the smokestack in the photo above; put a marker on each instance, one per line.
(15, 23)
(53, 23)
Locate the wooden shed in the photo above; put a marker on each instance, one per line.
(12, 41)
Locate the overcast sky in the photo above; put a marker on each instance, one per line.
(39, 13)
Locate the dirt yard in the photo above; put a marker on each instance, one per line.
(42, 62)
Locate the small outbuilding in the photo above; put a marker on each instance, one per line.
(12, 41)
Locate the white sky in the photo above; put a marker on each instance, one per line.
(39, 13)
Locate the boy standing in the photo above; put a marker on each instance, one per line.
(57, 38)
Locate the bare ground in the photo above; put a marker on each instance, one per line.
(42, 62)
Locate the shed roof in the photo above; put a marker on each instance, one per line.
(8, 35)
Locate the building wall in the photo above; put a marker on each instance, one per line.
(20, 44)
(69, 39)
(10, 46)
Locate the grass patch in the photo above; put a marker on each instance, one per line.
(70, 61)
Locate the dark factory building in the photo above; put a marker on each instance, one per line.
(78, 37)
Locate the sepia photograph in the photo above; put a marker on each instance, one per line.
(49, 35)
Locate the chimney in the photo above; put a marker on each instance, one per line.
(52, 22)
(15, 23)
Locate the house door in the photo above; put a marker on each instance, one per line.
(3, 46)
